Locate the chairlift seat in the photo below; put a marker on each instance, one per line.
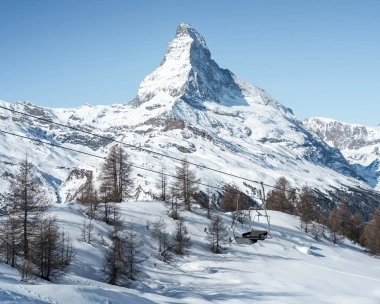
(245, 241)
(255, 234)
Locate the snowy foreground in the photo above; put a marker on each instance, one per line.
(289, 268)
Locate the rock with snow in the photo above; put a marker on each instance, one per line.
(359, 144)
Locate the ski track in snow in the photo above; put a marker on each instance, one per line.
(38, 295)
(326, 268)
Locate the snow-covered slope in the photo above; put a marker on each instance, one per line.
(359, 144)
(188, 107)
(291, 267)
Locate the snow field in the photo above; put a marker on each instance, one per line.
(289, 268)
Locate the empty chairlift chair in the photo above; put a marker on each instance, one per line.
(254, 235)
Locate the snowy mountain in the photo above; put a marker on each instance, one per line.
(360, 145)
(188, 107)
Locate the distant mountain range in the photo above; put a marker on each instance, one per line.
(360, 145)
(190, 107)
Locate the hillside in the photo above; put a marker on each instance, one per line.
(289, 268)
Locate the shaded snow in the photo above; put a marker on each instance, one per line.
(291, 267)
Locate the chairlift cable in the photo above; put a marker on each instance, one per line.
(154, 171)
(137, 147)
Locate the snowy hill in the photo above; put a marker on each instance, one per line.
(360, 145)
(291, 267)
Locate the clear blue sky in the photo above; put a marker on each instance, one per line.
(320, 58)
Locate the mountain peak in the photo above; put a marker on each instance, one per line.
(188, 74)
(186, 30)
(182, 29)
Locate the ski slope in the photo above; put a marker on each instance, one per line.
(291, 267)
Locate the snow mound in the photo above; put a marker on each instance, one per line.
(303, 249)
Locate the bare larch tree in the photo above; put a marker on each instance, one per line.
(115, 176)
(26, 201)
(184, 185)
(217, 235)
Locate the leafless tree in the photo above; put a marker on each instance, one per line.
(339, 222)
(217, 235)
(357, 226)
(89, 197)
(50, 251)
(184, 185)
(83, 232)
(113, 263)
(370, 237)
(10, 240)
(66, 247)
(173, 208)
(160, 234)
(181, 237)
(305, 205)
(90, 228)
(133, 257)
(282, 197)
(162, 185)
(115, 176)
(87, 231)
(230, 198)
(123, 258)
(335, 227)
(208, 205)
(26, 201)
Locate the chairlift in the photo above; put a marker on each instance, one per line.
(254, 235)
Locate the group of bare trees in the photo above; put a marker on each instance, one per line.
(180, 194)
(233, 199)
(340, 221)
(122, 260)
(282, 197)
(182, 189)
(177, 242)
(123, 256)
(30, 240)
(116, 185)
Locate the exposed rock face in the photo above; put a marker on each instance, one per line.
(343, 135)
(359, 144)
(75, 183)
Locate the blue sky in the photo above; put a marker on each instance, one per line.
(319, 58)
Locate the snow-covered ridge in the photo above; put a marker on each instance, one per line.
(359, 144)
(343, 135)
